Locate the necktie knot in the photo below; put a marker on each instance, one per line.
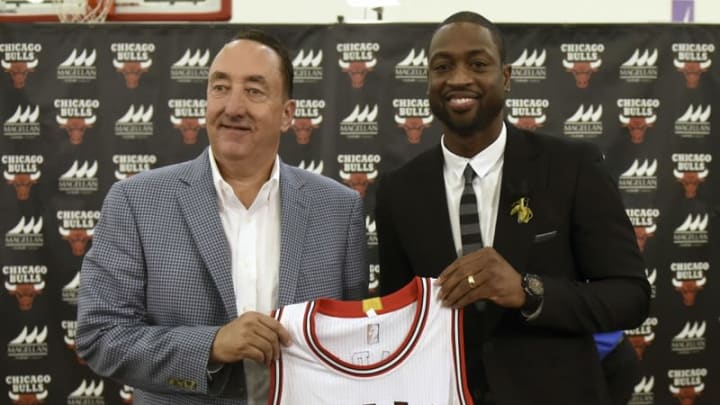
(469, 174)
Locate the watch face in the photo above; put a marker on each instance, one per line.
(535, 285)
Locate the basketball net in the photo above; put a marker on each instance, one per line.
(84, 11)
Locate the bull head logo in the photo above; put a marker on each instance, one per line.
(637, 126)
(642, 233)
(692, 71)
(19, 71)
(690, 181)
(22, 183)
(25, 293)
(70, 344)
(529, 123)
(303, 128)
(189, 128)
(78, 239)
(132, 71)
(357, 71)
(359, 181)
(28, 399)
(126, 394)
(640, 343)
(689, 289)
(76, 127)
(413, 126)
(687, 395)
(582, 71)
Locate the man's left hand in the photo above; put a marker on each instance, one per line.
(494, 279)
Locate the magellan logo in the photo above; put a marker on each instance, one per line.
(643, 336)
(689, 279)
(24, 124)
(78, 67)
(18, 60)
(413, 68)
(77, 227)
(75, 116)
(27, 389)
(582, 60)
(70, 290)
(307, 66)
(70, 328)
(129, 165)
(132, 60)
(360, 123)
(357, 59)
(643, 392)
(529, 68)
(126, 394)
(22, 172)
(413, 115)
(527, 113)
(191, 67)
(25, 235)
(651, 277)
(308, 116)
(311, 167)
(136, 123)
(639, 177)
(29, 344)
(188, 116)
(695, 122)
(371, 231)
(585, 123)
(25, 282)
(79, 179)
(692, 60)
(691, 338)
(359, 171)
(87, 393)
(687, 384)
(644, 221)
(374, 279)
(692, 232)
(640, 66)
(691, 169)
(637, 115)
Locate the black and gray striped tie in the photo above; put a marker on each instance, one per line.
(470, 234)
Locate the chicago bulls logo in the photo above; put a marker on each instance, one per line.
(29, 398)
(76, 126)
(413, 126)
(22, 183)
(78, 239)
(637, 126)
(689, 289)
(19, 70)
(686, 395)
(126, 394)
(359, 181)
(690, 181)
(529, 123)
(642, 233)
(132, 71)
(357, 70)
(692, 71)
(25, 293)
(582, 71)
(640, 343)
(303, 128)
(188, 127)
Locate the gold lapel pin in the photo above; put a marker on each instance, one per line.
(522, 210)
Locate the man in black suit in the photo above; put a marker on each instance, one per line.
(559, 261)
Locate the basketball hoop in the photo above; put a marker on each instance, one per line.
(84, 11)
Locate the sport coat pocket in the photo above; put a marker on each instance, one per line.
(545, 236)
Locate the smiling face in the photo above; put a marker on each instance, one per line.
(467, 80)
(247, 107)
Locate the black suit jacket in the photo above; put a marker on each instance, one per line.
(579, 239)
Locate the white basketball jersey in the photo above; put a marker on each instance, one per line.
(401, 349)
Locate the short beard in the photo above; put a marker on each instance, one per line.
(481, 120)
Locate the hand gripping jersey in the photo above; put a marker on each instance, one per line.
(404, 348)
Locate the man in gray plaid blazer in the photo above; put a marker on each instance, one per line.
(188, 260)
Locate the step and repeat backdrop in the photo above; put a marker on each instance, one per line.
(85, 106)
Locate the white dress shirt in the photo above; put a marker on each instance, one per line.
(488, 167)
(254, 237)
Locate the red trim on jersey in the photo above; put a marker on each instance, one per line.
(458, 343)
(417, 290)
(276, 371)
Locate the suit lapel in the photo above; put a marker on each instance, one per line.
(293, 223)
(198, 201)
(524, 171)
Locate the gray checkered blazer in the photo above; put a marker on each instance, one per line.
(156, 284)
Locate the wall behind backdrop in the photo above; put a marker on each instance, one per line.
(85, 106)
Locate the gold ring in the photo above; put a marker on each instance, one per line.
(471, 281)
